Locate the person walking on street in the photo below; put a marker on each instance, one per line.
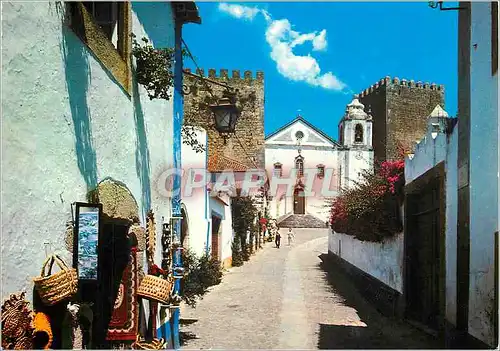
(278, 239)
(290, 236)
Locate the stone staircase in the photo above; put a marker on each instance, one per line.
(300, 221)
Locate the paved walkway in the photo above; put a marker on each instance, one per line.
(285, 299)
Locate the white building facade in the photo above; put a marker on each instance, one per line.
(307, 168)
(75, 123)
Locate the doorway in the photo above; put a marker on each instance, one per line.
(424, 249)
(299, 202)
(216, 222)
(114, 253)
(184, 229)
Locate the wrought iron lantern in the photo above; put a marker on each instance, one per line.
(226, 113)
(436, 4)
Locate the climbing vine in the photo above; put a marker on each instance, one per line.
(154, 68)
(155, 71)
(189, 138)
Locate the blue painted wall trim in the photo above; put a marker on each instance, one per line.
(170, 330)
(207, 205)
(176, 198)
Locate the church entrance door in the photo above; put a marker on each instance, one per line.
(299, 202)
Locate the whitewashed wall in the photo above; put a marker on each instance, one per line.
(383, 261)
(483, 174)
(354, 163)
(196, 201)
(122, 137)
(451, 227)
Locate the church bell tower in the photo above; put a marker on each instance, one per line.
(355, 133)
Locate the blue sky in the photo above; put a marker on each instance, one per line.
(316, 55)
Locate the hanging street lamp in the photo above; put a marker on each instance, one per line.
(226, 113)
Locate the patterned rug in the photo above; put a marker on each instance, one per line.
(124, 321)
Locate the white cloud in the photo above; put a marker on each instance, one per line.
(319, 42)
(283, 39)
(239, 11)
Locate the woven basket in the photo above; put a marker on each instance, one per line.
(155, 288)
(142, 344)
(24, 343)
(16, 316)
(58, 286)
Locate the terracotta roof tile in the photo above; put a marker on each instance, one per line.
(220, 163)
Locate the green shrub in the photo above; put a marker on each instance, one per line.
(369, 211)
(201, 273)
(243, 213)
(237, 255)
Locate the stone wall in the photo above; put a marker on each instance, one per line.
(247, 145)
(399, 109)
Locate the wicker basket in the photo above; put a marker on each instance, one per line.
(16, 316)
(58, 286)
(155, 288)
(142, 344)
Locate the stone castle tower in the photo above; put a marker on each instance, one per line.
(247, 144)
(399, 109)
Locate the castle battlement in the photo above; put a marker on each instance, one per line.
(387, 81)
(224, 74)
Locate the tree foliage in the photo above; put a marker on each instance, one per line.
(243, 213)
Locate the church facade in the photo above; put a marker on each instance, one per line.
(308, 168)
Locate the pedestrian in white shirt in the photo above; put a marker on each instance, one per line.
(290, 236)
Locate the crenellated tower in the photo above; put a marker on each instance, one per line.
(247, 145)
(399, 109)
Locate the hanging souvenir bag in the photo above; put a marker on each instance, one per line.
(54, 288)
(43, 331)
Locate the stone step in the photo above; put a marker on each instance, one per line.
(302, 221)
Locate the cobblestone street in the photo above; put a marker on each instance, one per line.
(285, 299)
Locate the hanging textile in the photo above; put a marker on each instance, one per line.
(125, 317)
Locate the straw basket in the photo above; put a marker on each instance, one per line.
(142, 344)
(58, 286)
(155, 288)
(16, 317)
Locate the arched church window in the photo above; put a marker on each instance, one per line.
(278, 169)
(299, 166)
(358, 133)
(321, 171)
(341, 134)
